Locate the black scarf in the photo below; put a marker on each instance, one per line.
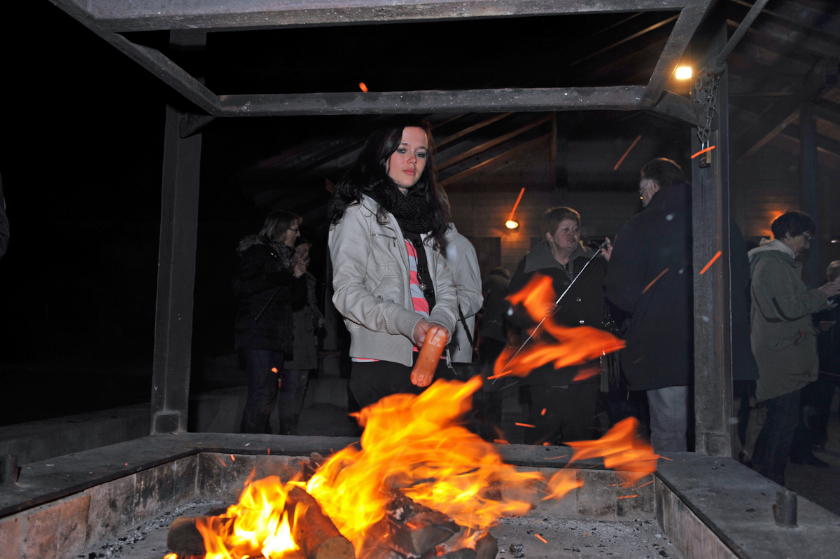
(412, 212)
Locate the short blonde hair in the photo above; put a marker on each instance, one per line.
(553, 217)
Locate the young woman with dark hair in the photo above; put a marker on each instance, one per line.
(390, 281)
(268, 283)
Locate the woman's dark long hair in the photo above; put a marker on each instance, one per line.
(368, 176)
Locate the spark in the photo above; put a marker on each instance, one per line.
(626, 153)
(516, 205)
(269, 451)
(539, 537)
(274, 369)
(702, 151)
(363, 87)
(556, 457)
(222, 461)
(712, 261)
(232, 458)
(410, 525)
(662, 273)
(666, 458)
(542, 412)
(648, 483)
(525, 425)
(626, 496)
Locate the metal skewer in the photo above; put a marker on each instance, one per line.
(557, 302)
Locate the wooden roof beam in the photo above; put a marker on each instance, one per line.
(785, 111)
(154, 15)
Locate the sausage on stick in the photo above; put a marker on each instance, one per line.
(424, 370)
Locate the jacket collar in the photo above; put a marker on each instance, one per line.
(671, 197)
(540, 257)
(771, 246)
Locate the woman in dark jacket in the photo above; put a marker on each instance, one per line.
(268, 285)
(562, 410)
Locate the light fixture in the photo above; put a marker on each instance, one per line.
(511, 224)
(684, 73)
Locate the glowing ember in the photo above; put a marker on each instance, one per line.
(570, 346)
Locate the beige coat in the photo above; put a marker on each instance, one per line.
(371, 284)
(783, 337)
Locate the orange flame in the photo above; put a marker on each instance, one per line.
(571, 346)
(416, 444)
(621, 450)
(256, 526)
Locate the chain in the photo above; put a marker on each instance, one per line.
(706, 86)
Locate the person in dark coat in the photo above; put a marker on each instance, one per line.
(268, 285)
(307, 321)
(563, 410)
(492, 331)
(650, 277)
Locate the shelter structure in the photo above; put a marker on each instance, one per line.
(610, 58)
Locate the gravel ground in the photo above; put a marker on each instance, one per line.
(579, 539)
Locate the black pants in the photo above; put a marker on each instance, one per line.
(776, 438)
(488, 403)
(371, 382)
(262, 367)
(568, 414)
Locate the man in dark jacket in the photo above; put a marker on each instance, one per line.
(650, 277)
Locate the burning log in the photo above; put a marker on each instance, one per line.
(184, 538)
(409, 529)
(313, 530)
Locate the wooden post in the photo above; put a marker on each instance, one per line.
(809, 185)
(712, 293)
(176, 277)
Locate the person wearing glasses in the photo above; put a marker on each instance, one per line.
(390, 281)
(650, 278)
(269, 284)
(784, 338)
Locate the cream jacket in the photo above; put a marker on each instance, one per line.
(371, 284)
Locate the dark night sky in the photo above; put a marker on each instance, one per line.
(81, 166)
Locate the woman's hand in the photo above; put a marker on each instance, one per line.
(420, 332)
(607, 249)
(299, 268)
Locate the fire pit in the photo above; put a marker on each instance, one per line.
(112, 496)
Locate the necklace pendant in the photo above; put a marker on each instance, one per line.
(422, 286)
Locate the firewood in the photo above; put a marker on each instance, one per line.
(463, 553)
(184, 538)
(486, 547)
(314, 532)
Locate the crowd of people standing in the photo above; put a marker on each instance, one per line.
(401, 267)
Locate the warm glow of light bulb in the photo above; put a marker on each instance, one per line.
(511, 224)
(684, 73)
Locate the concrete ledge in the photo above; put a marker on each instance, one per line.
(42, 440)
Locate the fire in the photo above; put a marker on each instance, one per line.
(256, 526)
(570, 346)
(417, 445)
(621, 450)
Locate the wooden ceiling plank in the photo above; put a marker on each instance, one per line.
(469, 129)
(492, 143)
(494, 161)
